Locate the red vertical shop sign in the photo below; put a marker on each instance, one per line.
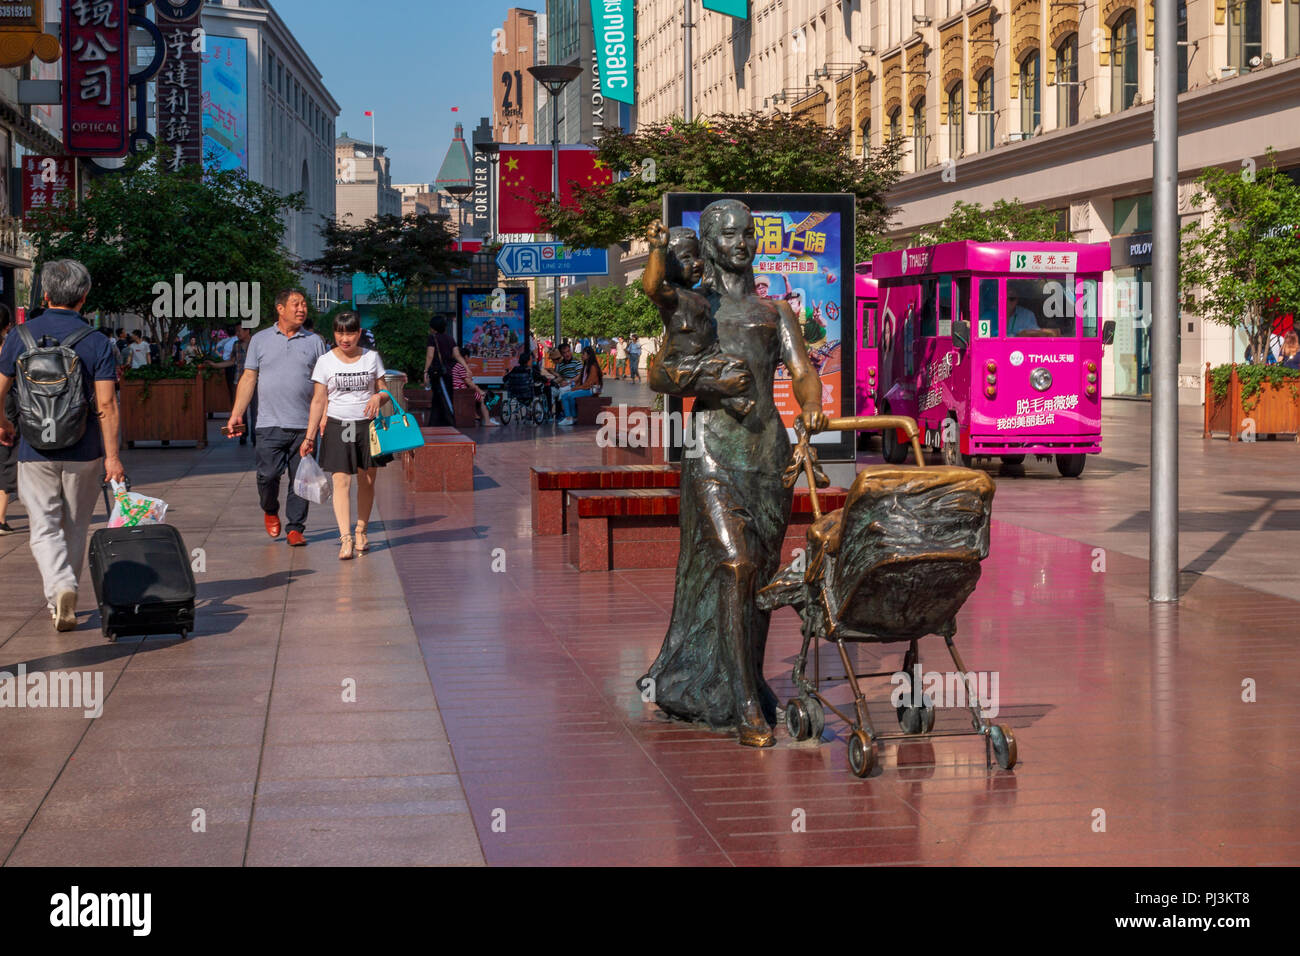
(95, 77)
(49, 182)
(180, 86)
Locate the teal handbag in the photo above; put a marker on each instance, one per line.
(398, 432)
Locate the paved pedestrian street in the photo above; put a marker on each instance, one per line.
(462, 696)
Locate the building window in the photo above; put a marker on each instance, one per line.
(1067, 78)
(1123, 62)
(1245, 33)
(1292, 28)
(984, 108)
(1031, 104)
(895, 123)
(956, 124)
(866, 137)
(918, 135)
(1131, 214)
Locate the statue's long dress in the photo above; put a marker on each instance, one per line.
(734, 512)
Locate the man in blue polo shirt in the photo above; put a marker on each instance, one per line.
(278, 369)
(59, 488)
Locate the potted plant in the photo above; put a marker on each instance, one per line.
(1242, 259)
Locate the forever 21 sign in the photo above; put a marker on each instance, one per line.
(95, 77)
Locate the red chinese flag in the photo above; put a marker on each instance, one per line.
(522, 169)
(582, 166)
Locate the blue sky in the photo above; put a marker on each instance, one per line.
(408, 60)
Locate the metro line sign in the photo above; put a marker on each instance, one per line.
(529, 259)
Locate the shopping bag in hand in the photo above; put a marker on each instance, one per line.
(311, 482)
(130, 509)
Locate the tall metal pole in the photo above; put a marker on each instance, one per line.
(688, 93)
(555, 195)
(1164, 311)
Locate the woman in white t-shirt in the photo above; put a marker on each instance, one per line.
(348, 381)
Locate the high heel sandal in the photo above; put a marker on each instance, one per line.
(363, 542)
(346, 551)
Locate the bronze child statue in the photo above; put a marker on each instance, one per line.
(690, 356)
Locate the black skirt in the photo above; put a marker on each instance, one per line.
(9, 468)
(348, 457)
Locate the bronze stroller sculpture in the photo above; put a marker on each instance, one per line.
(895, 564)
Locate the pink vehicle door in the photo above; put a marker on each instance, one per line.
(868, 356)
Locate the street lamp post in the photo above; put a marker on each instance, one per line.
(1164, 312)
(555, 78)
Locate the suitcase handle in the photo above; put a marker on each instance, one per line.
(108, 495)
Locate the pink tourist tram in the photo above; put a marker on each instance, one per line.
(994, 348)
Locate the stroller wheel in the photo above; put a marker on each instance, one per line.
(862, 753)
(1004, 745)
(917, 720)
(804, 718)
(796, 720)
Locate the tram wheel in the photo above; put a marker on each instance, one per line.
(1071, 466)
(891, 449)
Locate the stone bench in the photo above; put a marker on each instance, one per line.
(445, 463)
(550, 484)
(611, 530)
(589, 406)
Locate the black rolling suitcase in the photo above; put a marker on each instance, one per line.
(143, 581)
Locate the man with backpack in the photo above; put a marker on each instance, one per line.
(65, 378)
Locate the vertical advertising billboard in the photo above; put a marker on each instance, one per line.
(804, 258)
(493, 330)
(225, 103)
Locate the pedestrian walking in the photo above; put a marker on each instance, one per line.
(347, 381)
(278, 370)
(8, 453)
(620, 358)
(67, 437)
(233, 363)
(634, 358)
(139, 351)
(440, 357)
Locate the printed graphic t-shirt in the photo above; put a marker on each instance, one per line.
(350, 384)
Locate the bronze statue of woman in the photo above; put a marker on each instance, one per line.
(734, 507)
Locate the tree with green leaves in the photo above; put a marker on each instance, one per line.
(750, 153)
(1005, 221)
(405, 253)
(1243, 259)
(146, 223)
(603, 312)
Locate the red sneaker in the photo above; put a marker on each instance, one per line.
(273, 525)
(296, 540)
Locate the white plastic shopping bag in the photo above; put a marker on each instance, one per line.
(131, 509)
(311, 482)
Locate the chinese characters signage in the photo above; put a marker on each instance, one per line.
(95, 76)
(180, 88)
(48, 182)
(225, 102)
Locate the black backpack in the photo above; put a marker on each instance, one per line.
(51, 385)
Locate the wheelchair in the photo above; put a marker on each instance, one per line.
(523, 401)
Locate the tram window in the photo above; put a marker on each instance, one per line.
(945, 305)
(1040, 307)
(1086, 306)
(868, 327)
(928, 306)
(988, 306)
